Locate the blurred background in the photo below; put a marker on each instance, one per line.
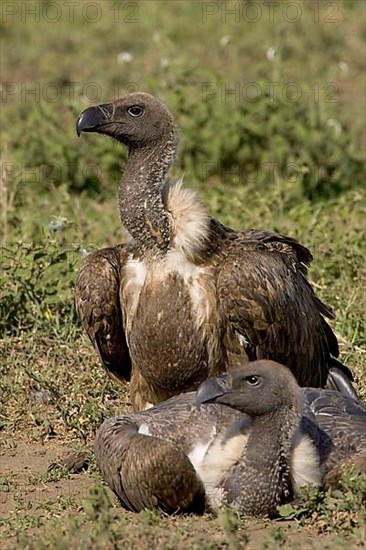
(269, 98)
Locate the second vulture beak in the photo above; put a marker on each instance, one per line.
(94, 117)
(211, 389)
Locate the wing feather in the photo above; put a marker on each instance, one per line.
(146, 471)
(97, 301)
(266, 298)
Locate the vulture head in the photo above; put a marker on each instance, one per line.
(257, 389)
(136, 120)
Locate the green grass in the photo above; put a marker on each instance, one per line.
(294, 166)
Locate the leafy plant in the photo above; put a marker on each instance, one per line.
(341, 509)
(36, 282)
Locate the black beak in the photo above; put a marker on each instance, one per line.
(211, 389)
(94, 117)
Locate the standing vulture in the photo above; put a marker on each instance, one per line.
(256, 438)
(188, 298)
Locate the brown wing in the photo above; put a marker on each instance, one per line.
(266, 298)
(143, 457)
(97, 301)
(145, 471)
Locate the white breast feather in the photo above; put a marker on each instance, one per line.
(144, 429)
(197, 455)
(221, 457)
(213, 458)
(135, 273)
(305, 462)
(190, 218)
(134, 276)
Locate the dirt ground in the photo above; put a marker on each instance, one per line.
(53, 397)
(30, 503)
(22, 462)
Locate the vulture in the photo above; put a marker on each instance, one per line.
(187, 298)
(247, 439)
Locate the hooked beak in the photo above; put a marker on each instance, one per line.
(94, 118)
(212, 389)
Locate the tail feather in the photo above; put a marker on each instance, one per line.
(340, 379)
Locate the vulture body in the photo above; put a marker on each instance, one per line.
(188, 298)
(247, 439)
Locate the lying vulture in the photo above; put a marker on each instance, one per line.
(256, 438)
(188, 298)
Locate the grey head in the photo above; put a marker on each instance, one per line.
(257, 389)
(136, 120)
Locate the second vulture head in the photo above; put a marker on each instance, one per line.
(257, 389)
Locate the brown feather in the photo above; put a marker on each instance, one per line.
(97, 302)
(187, 297)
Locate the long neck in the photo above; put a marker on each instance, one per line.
(264, 473)
(140, 200)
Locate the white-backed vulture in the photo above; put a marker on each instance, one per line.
(256, 438)
(187, 298)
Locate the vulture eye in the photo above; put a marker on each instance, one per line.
(253, 380)
(135, 111)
